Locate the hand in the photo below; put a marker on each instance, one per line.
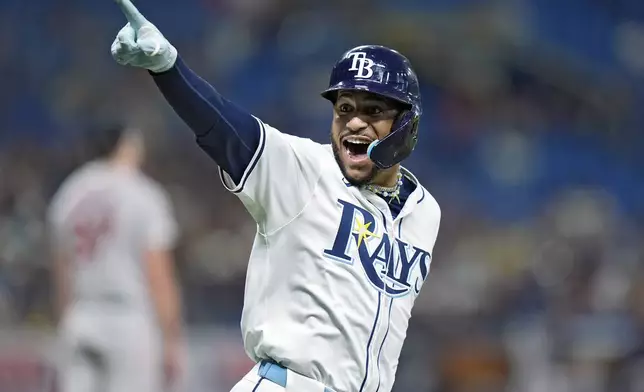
(141, 44)
(172, 364)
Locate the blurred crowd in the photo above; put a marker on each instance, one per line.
(530, 142)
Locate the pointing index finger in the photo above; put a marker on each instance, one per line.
(132, 14)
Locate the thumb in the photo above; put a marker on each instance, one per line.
(150, 40)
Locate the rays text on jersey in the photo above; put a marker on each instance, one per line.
(393, 267)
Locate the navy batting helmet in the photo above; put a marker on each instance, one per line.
(385, 72)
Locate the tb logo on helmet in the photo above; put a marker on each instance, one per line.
(361, 64)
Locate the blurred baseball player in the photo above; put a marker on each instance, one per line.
(112, 232)
(344, 233)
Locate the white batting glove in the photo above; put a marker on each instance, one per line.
(141, 44)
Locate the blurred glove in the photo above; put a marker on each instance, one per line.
(141, 44)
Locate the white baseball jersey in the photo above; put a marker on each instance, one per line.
(332, 278)
(107, 218)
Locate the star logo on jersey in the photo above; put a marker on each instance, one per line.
(392, 266)
(362, 230)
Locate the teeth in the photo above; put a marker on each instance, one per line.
(357, 141)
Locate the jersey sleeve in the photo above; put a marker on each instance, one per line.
(433, 214)
(226, 132)
(160, 229)
(279, 180)
(272, 173)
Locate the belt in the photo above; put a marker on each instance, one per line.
(276, 373)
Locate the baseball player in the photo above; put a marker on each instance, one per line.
(112, 231)
(344, 233)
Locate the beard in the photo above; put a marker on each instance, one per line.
(353, 181)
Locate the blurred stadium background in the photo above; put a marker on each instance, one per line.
(531, 142)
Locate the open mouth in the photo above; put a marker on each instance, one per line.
(356, 149)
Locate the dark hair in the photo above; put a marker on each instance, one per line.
(102, 142)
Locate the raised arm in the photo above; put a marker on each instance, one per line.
(274, 174)
(228, 134)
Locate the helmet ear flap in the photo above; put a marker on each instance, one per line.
(399, 144)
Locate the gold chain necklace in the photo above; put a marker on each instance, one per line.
(392, 192)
